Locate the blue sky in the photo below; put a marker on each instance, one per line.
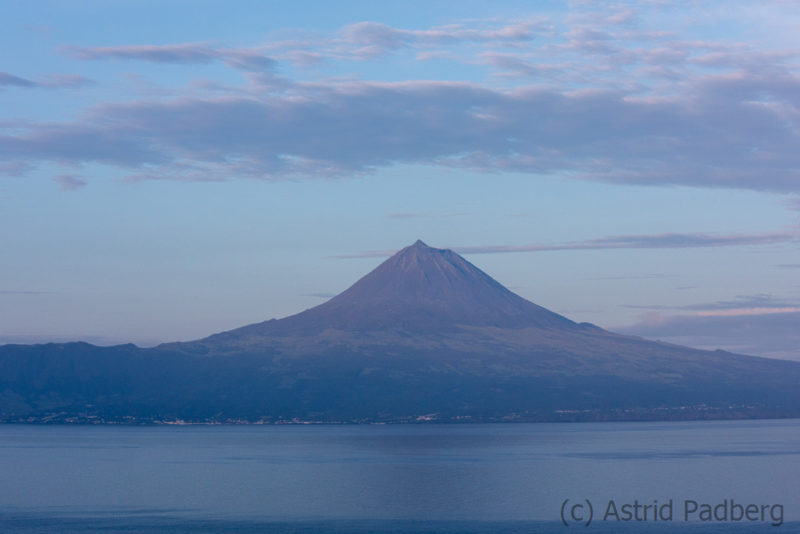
(173, 169)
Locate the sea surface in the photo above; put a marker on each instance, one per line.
(563, 477)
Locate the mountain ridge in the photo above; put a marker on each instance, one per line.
(425, 336)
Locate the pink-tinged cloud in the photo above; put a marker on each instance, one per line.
(727, 131)
(516, 65)
(70, 182)
(375, 38)
(624, 16)
(792, 203)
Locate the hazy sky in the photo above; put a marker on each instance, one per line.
(173, 169)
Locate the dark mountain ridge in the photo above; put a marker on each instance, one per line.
(424, 336)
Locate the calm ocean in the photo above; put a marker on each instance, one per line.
(724, 476)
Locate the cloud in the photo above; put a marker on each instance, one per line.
(758, 304)
(188, 53)
(672, 240)
(374, 38)
(621, 17)
(792, 203)
(759, 301)
(421, 215)
(49, 81)
(747, 311)
(66, 80)
(180, 53)
(706, 139)
(631, 277)
(407, 215)
(9, 80)
(370, 40)
(654, 241)
(305, 58)
(520, 66)
(70, 182)
(759, 324)
(775, 335)
(15, 168)
(600, 93)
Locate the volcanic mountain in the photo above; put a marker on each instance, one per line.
(424, 336)
(419, 290)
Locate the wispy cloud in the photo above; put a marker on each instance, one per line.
(631, 277)
(375, 38)
(673, 240)
(759, 301)
(65, 80)
(758, 304)
(180, 53)
(70, 182)
(793, 203)
(775, 335)
(49, 81)
(407, 215)
(421, 215)
(187, 53)
(655, 241)
(9, 80)
(759, 324)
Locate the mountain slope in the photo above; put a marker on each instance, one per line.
(421, 288)
(424, 336)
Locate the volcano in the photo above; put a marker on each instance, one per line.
(420, 290)
(426, 336)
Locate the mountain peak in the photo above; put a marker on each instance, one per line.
(421, 288)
